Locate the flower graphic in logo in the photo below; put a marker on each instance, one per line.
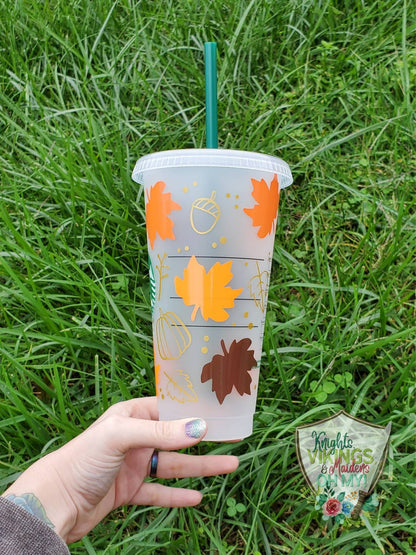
(347, 507)
(332, 507)
(340, 508)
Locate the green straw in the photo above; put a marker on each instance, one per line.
(211, 94)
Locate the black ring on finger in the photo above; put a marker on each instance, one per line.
(153, 464)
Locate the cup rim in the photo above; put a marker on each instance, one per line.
(210, 157)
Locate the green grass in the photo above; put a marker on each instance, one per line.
(86, 88)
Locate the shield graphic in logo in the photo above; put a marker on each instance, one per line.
(342, 458)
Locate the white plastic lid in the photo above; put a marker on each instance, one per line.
(207, 157)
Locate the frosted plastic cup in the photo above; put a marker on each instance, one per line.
(210, 219)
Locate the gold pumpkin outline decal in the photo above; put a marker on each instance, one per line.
(201, 208)
(172, 336)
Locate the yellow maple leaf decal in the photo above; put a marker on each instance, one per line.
(264, 213)
(158, 207)
(207, 290)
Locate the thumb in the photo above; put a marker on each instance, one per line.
(132, 433)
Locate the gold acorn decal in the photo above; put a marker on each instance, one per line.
(205, 213)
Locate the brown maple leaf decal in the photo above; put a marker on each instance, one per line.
(158, 207)
(207, 290)
(264, 213)
(230, 369)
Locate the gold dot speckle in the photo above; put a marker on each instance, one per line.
(237, 196)
(195, 183)
(214, 245)
(245, 263)
(250, 326)
(228, 195)
(223, 240)
(245, 314)
(235, 205)
(206, 337)
(179, 249)
(233, 323)
(204, 350)
(187, 248)
(185, 189)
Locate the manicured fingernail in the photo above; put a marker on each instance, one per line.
(195, 428)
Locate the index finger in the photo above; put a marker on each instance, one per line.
(121, 433)
(144, 408)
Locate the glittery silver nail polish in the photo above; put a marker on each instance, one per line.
(195, 428)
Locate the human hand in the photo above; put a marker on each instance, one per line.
(106, 466)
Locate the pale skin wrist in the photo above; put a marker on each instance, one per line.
(39, 491)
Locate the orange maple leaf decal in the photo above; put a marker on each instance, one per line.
(157, 380)
(207, 291)
(264, 213)
(159, 206)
